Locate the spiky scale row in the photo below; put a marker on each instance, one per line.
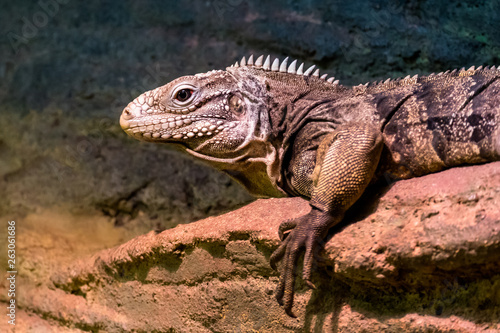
(276, 66)
(390, 83)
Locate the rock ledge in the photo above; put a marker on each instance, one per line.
(423, 256)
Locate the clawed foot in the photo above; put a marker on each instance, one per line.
(306, 235)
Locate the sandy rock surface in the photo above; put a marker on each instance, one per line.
(421, 255)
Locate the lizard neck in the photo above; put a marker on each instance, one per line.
(256, 167)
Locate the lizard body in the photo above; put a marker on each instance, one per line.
(284, 131)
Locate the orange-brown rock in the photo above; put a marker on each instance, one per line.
(422, 255)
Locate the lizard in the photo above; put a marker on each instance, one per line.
(280, 130)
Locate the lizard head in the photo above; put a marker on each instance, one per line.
(207, 113)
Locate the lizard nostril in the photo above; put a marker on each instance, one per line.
(125, 117)
(127, 114)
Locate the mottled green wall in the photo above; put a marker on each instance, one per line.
(67, 69)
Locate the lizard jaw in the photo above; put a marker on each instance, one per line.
(171, 127)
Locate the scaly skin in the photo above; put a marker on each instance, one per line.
(282, 131)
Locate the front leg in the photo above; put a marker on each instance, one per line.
(345, 163)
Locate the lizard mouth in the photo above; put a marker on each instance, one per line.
(178, 127)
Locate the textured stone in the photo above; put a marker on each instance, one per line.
(419, 255)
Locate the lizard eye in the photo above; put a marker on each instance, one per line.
(183, 95)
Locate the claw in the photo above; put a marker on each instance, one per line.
(272, 263)
(310, 284)
(280, 289)
(287, 279)
(279, 298)
(284, 235)
(286, 226)
(278, 254)
(290, 313)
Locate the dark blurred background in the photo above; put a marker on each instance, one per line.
(68, 68)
